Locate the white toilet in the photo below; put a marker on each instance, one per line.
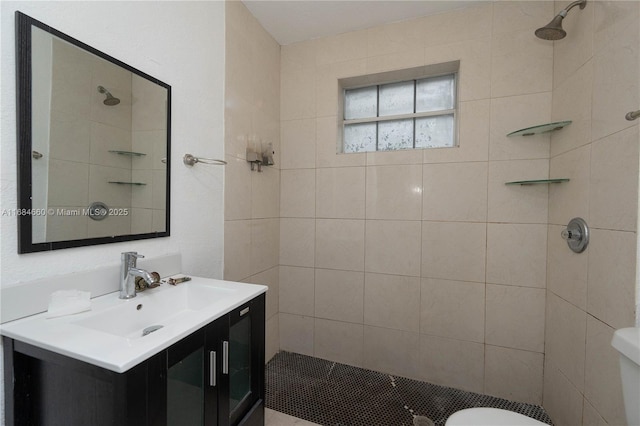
(627, 342)
(490, 417)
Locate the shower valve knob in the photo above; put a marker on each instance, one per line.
(576, 234)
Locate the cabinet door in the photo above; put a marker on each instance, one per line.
(243, 362)
(189, 394)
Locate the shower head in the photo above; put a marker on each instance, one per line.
(553, 30)
(110, 100)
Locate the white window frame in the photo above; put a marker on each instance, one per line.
(412, 74)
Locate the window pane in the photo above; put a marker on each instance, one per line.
(360, 137)
(395, 134)
(434, 132)
(361, 103)
(435, 94)
(396, 98)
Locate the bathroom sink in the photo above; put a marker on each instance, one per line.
(140, 316)
(118, 334)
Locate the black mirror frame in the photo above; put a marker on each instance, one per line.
(23, 118)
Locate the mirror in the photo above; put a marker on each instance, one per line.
(93, 144)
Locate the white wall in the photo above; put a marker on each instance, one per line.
(182, 44)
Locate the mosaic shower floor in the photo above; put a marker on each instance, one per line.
(333, 394)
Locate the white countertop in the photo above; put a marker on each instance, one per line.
(80, 336)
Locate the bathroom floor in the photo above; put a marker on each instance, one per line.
(333, 394)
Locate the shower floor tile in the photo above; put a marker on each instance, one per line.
(333, 394)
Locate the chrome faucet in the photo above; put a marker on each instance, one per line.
(128, 271)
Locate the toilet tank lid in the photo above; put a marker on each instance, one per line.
(627, 342)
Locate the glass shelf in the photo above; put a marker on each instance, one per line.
(127, 183)
(537, 182)
(129, 153)
(543, 128)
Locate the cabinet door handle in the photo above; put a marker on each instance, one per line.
(212, 368)
(225, 357)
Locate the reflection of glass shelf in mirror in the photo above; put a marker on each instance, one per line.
(129, 153)
(127, 183)
(543, 128)
(537, 181)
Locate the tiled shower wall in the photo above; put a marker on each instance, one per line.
(422, 263)
(252, 199)
(596, 82)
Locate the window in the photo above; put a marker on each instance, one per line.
(410, 114)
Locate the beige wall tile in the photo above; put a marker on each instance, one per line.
(611, 282)
(566, 270)
(392, 301)
(340, 193)
(513, 374)
(515, 113)
(93, 148)
(389, 158)
(561, 400)
(516, 16)
(382, 353)
(515, 317)
(577, 47)
(452, 309)
(270, 278)
(454, 251)
(272, 338)
(297, 242)
(520, 64)
(339, 295)
(63, 228)
(572, 101)
(341, 47)
(395, 61)
(614, 181)
(603, 385)
(473, 136)
(237, 125)
(264, 244)
(298, 144)
(296, 333)
(572, 200)
(515, 203)
(611, 19)
(340, 244)
(590, 416)
(452, 363)
(297, 91)
(339, 341)
(237, 245)
(394, 192)
(265, 193)
(565, 338)
(455, 192)
(298, 193)
(463, 24)
(398, 37)
(297, 288)
(513, 263)
(392, 247)
(615, 82)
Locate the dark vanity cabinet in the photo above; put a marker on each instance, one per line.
(214, 376)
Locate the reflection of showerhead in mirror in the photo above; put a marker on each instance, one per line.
(110, 100)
